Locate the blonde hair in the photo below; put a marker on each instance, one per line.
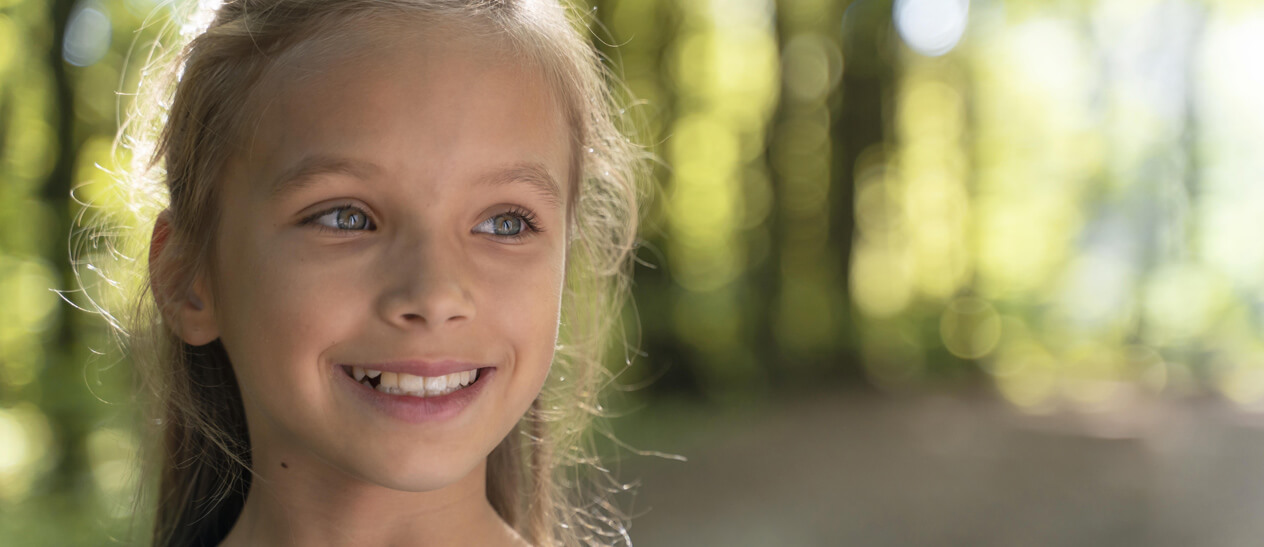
(182, 129)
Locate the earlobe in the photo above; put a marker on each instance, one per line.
(197, 321)
(185, 311)
(197, 302)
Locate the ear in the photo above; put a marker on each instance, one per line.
(187, 308)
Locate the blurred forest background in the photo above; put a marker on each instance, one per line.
(1042, 208)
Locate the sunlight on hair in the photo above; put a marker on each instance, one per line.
(141, 8)
(200, 17)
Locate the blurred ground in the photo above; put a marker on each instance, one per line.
(954, 471)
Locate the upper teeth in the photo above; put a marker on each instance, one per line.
(400, 383)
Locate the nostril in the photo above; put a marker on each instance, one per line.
(411, 317)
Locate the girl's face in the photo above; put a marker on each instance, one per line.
(400, 209)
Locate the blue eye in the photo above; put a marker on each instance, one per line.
(511, 224)
(507, 225)
(342, 218)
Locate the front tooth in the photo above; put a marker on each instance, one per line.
(409, 382)
(358, 373)
(389, 379)
(454, 379)
(436, 384)
(372, 373)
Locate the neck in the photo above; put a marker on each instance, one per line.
(309, 503)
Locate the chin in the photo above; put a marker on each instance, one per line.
(421, 474)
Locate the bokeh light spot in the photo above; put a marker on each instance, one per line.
(880, 278)
(25, 439)
(87, 34)
(931, 27)
(8, 42)
(112, 453)
(26, 289)
(970, 327)
(811, 66)
(1026, 374)
(1243, 381)
(1181, 301)
(893, 358)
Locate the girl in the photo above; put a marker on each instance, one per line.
(391, 241)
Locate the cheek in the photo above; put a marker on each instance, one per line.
(278, 307)
(523, 304)
(526, 300)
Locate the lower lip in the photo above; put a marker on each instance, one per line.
(411, 409)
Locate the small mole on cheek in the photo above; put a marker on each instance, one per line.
(285, 466)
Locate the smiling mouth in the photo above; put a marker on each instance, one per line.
(400, 383)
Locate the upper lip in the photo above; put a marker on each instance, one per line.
(416, 367)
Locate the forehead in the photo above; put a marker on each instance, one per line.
(428, 102)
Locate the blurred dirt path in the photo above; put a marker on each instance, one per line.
(864, 470)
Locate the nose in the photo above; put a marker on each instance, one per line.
(429, 287)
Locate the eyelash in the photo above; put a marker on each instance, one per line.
(529, 221)
(310, 220)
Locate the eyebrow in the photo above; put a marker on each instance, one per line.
(531, 174)
(305, 172)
